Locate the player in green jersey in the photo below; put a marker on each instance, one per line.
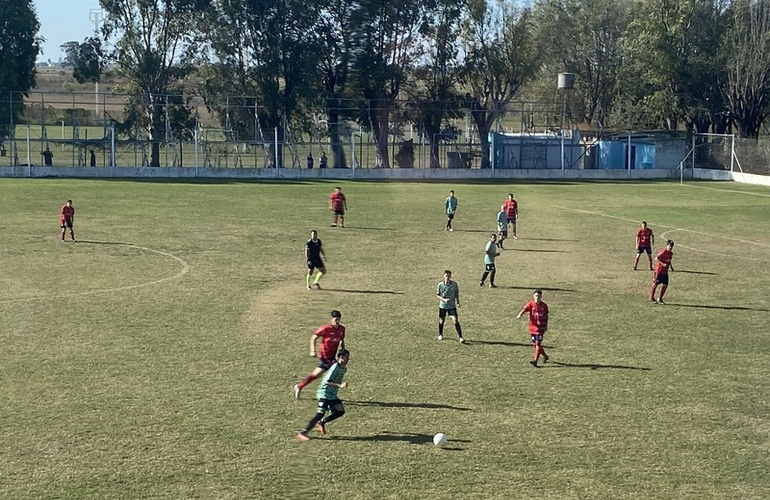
(328, 399)
(450, 207)
(449, 296)
(490, 252)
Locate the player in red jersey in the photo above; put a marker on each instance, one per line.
(338, 204)
(644, 242)
(661, 271)
(67, 220)
(332, 338)
(511, 213)
(538, 324)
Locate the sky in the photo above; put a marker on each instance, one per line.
(63, 21)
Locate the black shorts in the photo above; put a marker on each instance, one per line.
(644, 248)
(661, 279)
(511, 220)
(325, 363)
(67, 223)
(489, 267)
(442, 313)
(536, 337)
(315, 263)
(450, 216)
(504, 234)
(339, 211)
(325, 405)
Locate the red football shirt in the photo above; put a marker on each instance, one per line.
(510, 208)
(330, 340)
(664, 260)
(538, 317)
(644, 236)
(338, 201)
(67, 213)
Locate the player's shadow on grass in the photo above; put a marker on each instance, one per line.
(371, 228)
(546, 289)
(550, 239)
(388, 404)
(534, 250)
(594, 366)
(499, 342)
(474, 231)
(685, 271)
(725, 308)
(408, 437)
(386, 292)
(93, 242)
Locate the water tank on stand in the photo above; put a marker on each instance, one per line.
(566, 81)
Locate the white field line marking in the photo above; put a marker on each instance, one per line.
(672, 228)
(182, 272)
(727, 190)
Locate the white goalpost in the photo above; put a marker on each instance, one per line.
(710, 151)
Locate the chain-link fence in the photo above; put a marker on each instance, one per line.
(107, 129)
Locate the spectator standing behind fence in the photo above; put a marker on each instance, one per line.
(322, 161)
(92, 158)
(309, 160)
(47, 157)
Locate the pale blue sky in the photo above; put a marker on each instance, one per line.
(63, 21)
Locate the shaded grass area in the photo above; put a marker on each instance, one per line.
(124, 378)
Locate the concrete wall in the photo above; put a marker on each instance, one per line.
(332, 173)
(726, 175)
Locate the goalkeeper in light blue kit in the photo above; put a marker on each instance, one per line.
(502, 227)
(450, 207)
(327, 396)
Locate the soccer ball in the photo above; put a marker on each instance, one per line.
(439, 439)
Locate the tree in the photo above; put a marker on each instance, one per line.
(88, 61)
(582, 37)
(671, 73)
(271, 51)
(70, 51)
(500, 59)
(387, 44)
(433, 95)
(747, 88)
(334, 33)
(155, 50)
(19, 47)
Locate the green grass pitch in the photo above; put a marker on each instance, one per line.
(154, 358)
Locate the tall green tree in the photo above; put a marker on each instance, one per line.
(581, 37)
(155, 49)
(433, 95)
(88, 61)
(19, 47)
(670, 73)
(335, 41)
(269, 46)
(388, 43)
(500, 59)
(747, 86)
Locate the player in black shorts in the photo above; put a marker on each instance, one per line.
(314, 250)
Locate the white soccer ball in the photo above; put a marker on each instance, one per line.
(439, 439)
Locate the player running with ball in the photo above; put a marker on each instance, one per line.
(328, 400)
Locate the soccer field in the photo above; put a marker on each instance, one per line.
(154, 357)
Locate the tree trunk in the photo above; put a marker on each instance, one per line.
(379, 118)
(335, 137)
